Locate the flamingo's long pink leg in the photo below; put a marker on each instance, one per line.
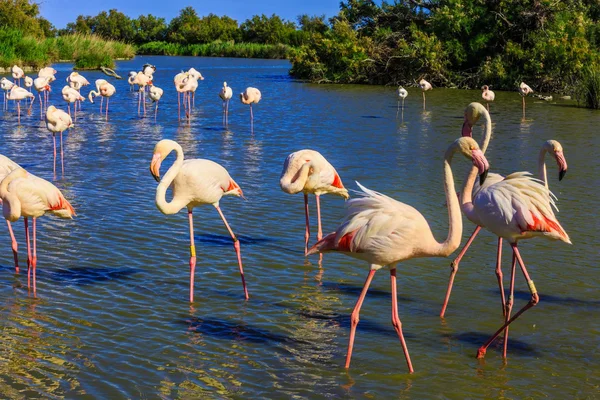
(34, 259)
(354, 317)
(28, 252)
(189, 98)
(107, 99)
(307, 232)
(396, 320)
(192, 255)
(101, 102)
(178, 108)
(509, 304)
(62, 159)
(69, 108)
(499, 275)
(156, 111)
(251, 114)
(15, 246)
(320, 232)
(236, 245)
(454, 269)
(19, 112)
(194, 98)
(139, 101)
(54, 139)
(144, 102)
(41, 105)
(535, 298)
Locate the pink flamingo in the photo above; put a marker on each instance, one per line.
(26, 195)
(384, 232)
(6, 167)
(71, 95)
(104, 89)
(6, 85)
(189, 84)
(487, 95)
(524, 90)
(225, 94)
(18, 93)
(198, 77)
(194, 182)
(155, 94)
(517, 207)
(178, 81)
(425, 86)
(250, 96)
(42, 85)
(307, 171)
(58, 121)
(17, 74)
(142, 80)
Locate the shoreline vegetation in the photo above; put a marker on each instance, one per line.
(554, 46)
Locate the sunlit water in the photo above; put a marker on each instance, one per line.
(112, 318)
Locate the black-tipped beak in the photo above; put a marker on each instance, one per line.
(561, 174)
(156, 178)
(482, 176)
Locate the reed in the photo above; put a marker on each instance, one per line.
(588, 88)
(218, 49)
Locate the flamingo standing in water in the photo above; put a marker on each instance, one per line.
(104, 89)
(142, 80)
(307, 171)
(425, 86)
(225, 94)
(194, 182)
(487, 95)
(71, 95)
(17, 74)
(42, 85)
(189, 84)
(198, 77)
(26, 195)
(6, 167)
(58, 121)
(28, 82)
(18, 93)
(250, 96)
(6, 85)
(524, 90)
(385, 232)
(178, 81)
(402, 93)
(77, 81)
(155, 95)
(132, 75)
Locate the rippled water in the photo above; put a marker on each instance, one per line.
(112, 320)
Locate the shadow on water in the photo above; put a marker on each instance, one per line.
(356, 290)
(515, 346)
(86, 275)
(225, 240)
(548, 298)
(371, 116)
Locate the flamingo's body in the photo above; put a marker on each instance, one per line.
(42, 86)
(487, 95)
(149, 70)
(47, 72)
(58, 121)
(198, 77)
(425, 86)
(155, 95)
(132, 75)
(142, 80)
(307, 171)
(17, 73)
(194, 182)
(104, 89)
(250, 96)
(225, 94)
(26, 195)
(77, 81)
(6, 85)
(6, 167)
(28, 82)
(385, 232)
(18, 94)
(71, 95)
(188, 86)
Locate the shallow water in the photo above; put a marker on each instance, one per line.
(111, 318)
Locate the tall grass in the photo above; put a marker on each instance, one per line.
(87, 51)
(588, 88)
(217, 49)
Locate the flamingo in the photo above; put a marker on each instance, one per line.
(58, 121)
(487, 95)
(250, 96)
(425, 86)
(104, 89)
(194, 182)
(71, 95)
(198, 77)
(518, 207)
(155, 95)
(188, 86)
(178, 80)
(18, 93)
(402, 93)
(47, 72)
(225, 94)
(42, 85)
(142, 80)
(384, 232)
(77, 81)
(6, 85)
(25, 195)
(6, 167)
(148, 70)
(524, 90)
(307, 171)
(28, 82)
(17, 74)
(132, 75)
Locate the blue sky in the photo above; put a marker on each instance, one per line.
(60, 12)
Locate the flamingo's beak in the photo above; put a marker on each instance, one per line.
(481, 163)
(467, 129)
(562, 164)
(155, 166)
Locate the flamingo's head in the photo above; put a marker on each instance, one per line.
(472, 114)
(161, 151)
(470, 149)
(555, 148)
(485, 87)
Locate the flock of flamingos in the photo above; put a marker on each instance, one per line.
(376, 228)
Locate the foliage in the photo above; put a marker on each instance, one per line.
(217, 49)
(588, 88)
(24, 15)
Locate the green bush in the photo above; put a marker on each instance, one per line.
(588, 88)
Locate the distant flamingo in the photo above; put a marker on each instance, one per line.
(58, 121)
(132, 75)
(198, 77)
(6, 85)
(104, 89)
(194, 182)
(425, 86)
(18, 93)
(71, 95)
(225, 94)
(250, 96)
(47, 72)
(524, 90)
(307, 171)
(26, 195)
(28, 82)
(155, 95)
(148, 70)
(487, 95)
(142, 80)
(189, 84)
(77, 81)
(178, 81)
(6, 167)
(17, 74)
(402, 93)
(385, 232)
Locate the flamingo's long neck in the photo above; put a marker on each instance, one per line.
(176, 204)
(452, 242)
(297, 185)
(11, 205)
(542, 167)
(487, 134)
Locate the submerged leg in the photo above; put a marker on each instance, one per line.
(62, 159)
(396, 320)
(535, 298)
(28, 252)
(34, 259)
(355, 316)
(15, 246)
(509, 304)
(236, 246)
(307, 232)
(192, 255)
(454, 269)
(320, 231)
(54, 139)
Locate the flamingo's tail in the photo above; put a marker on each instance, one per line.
(323, 245)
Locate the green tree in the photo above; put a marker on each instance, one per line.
(185, 27)
(149, 28)
(270, 30)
